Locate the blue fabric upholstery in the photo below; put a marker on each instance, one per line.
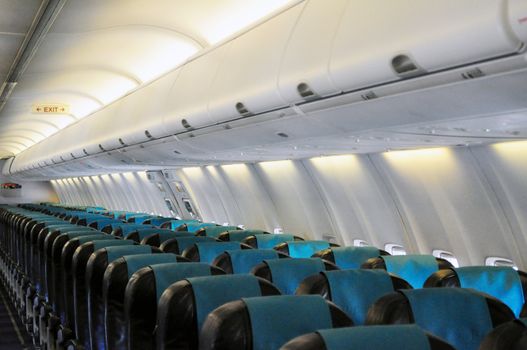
(174, 224)
(353, 257)
(213, 291)
(354, 291)
(148, 231)
(288, 273)
(167, 274)
(208, 251)
(277, 319)
(129, 228)
(503, 283)
(215, 231)
(266, 241)
(158, 221)
(415, 269)
(131, 215)
(102, 222)
(110, 243)
(239, 235)
(305, 249)
(244, 260)
(457, 315)
(114, 253)
(185, 242)
(142, 218)
(407, 337)
(136, 262)
(195, 226)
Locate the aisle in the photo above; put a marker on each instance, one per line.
(12, 334)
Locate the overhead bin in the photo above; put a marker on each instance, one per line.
(186, 104)
(304, 73)
(383, 41)
(247, 79)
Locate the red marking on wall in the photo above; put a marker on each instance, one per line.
(522, 20)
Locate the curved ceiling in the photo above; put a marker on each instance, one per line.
(98, 51)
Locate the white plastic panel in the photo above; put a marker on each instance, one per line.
(249, 72)
(432, 34)
(309, 50)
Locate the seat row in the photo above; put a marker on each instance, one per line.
(101, 291)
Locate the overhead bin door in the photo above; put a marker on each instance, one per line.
(381, 41)
(304, 72)
(247, 80)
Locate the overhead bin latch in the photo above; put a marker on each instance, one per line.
(405, 67)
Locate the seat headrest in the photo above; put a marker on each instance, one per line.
(158, 221)
(110, 243)
(503, 283)
(244, 260)
(408, 337)
(287, 274)
(215, 231)
(185, 242)
(278, 319)
(353, 257)
(195, 226)
(208, 251)
(268, 241)
(415, 269)
(211, 292)
(114, 253)
(354, 291)
(305, 249)
(94, 237)
(136, 262)
(459, 316)
(167, 274)
(508, 336)
(235, 236)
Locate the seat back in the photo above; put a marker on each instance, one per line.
(461, 317)
(503, 283)
(146, 289)
(415, 269)
(354, 291)
(408, 337)
(243, 261)
(208, 251)
(95, 269)
(179, 244)
(302, 249)
(189, 302)
(268, 241)
(349, 257)
(239, 235)
(215, 231)
(286, 274)
(508, 336)
(268, 322)
(116, 277)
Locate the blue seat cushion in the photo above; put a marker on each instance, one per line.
(503, 283)
(353, 257)
(215, 231)
(457, 315)
(277, 319)
(407, 337)
(288, 273)
(213, 291)
(415, 269)
(354, 291)
(114, 253)
(185, 242)
(244, 260)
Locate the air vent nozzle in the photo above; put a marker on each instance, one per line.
(243, 110)
(148, 134)
(85, 152)
(404, 65)
(122, 142)
(370, 95)
(101, 148)
(473, 74)
(186, 124)
(305, 91)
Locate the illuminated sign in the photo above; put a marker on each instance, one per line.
(50, 108)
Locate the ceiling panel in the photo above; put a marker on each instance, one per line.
(99, 50)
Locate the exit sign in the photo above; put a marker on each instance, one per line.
(50, 108)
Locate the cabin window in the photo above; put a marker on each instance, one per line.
(360, 243)
(448, 256)
(189, 208)
(498, 261)
(395, 249)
